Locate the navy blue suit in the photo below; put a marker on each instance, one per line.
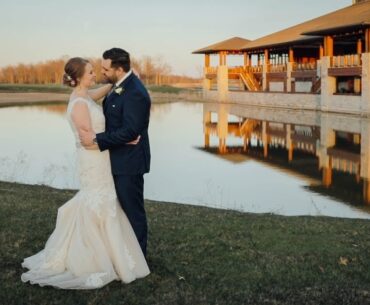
(127, 117)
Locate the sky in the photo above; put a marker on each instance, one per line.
(36, 31)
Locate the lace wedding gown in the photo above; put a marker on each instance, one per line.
(93, 242)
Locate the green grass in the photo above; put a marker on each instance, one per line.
(165, 89)
(199, 255)
(18, 88)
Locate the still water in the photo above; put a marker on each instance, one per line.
(224, 156)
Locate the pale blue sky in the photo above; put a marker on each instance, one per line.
(37, 30)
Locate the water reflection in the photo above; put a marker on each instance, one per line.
(248, 159)
(331, 149)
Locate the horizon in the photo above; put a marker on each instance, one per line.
(152, 29)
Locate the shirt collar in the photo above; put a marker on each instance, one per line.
(123, 78)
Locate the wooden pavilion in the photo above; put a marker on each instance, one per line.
(328, 55)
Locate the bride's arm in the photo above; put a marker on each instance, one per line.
(82, 121)
(98, 93)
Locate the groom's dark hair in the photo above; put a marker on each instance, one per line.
(119, 58)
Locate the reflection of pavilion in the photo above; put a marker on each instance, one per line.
(335, 144)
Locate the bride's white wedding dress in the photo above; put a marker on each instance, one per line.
(93, 242)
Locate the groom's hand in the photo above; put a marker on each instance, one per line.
(134, 142)
(86, 137)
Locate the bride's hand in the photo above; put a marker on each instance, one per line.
(134, 142)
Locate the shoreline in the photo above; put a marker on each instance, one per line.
(31, 95)
(217, 208)
(9, 99)
(28, 98)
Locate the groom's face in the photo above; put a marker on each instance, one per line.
(109, 74)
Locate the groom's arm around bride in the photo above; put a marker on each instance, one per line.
(135, 116)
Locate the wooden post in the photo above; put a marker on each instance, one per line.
(222, 127)
(359, 46)
(206, 122)
(329, 46)
(222, 146)
(366, 191)
(267, 59)
(291, 55)
(345, 166)
(206, 140)
(207, 60)
(358, 173)
(246, 59)
(290, 153)
(222, 55)
(245, 143)
(367, 40)
(321, 51)
(265, 140)
(289, 142)
(327, 174)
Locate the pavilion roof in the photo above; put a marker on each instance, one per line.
(232, 44)
(349, 18)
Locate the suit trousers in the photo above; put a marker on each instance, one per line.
(130, 193)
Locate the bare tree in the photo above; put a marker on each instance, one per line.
(152, 70)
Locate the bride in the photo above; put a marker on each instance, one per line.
(93, 242)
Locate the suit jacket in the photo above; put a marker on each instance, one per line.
(127, 117)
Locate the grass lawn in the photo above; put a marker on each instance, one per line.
(165, 89)
(199, 255)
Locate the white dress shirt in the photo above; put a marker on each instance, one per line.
(123, 78)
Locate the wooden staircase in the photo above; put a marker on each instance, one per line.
(247, 127)
(249, 81)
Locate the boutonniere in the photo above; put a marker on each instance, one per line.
(119, 90)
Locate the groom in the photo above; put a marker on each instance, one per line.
(126, 110)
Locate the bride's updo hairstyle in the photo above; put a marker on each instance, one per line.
(74, 69)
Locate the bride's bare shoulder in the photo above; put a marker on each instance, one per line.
(73, 98)
(76, 100)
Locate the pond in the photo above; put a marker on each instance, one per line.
(215, 155)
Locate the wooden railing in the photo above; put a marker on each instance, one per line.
(304, 66)
(211, 70)
(255, 69)
(236, 70)
(245, 69)
(351, 60)
(277, 68)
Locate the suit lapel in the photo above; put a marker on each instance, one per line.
(104, 103)
(111, 96)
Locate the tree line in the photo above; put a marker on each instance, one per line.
(152, 70)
